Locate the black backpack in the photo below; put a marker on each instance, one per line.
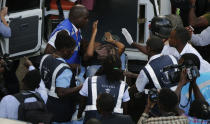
(34, 112)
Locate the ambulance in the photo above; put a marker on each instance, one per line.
(32, 21)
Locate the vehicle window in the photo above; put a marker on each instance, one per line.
(21, 5)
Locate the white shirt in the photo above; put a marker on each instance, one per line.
(52, 39)
(142, 79)
(9, 104)
(84, 91)
(167, 50)
(204, 65)
(201, 39)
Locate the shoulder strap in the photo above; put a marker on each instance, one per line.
(118, 108)
(153, 76)
(42, 60)
(21, 98)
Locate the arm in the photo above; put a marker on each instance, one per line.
(120, 46)
(67, 91)
(4, 26)
(84, 95)
(129, 39)
(201, 39)
(130, 74)
(183, 81)
(196, 91)
(193, 20)
(125, 108)
(3, 14)
(90, 50)
(145, 115)
(140, 48)
(82, 106)
(49, 49)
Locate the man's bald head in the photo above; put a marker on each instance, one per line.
(79, 15)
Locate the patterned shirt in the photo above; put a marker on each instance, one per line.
(144, 119)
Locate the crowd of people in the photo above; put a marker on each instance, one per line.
(174, 85)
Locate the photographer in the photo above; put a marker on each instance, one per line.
(202, 81)
(167, 102)
(198, 108)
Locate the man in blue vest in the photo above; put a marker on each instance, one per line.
(78, 18)
(59, 79)
(151, 76)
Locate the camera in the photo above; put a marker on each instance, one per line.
(153, 95)
(173, 72)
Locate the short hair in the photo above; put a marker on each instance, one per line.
(105, 102)
(168, 99)
(155, 43)
(64, 40)
(77, 11)
(191, 59)
(199, 109)
(182, 34)
(93, 121)
(32, 79)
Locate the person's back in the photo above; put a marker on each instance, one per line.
(10, 104)
(105, 105)
(108, 80)
(59, 79)
(152, 75)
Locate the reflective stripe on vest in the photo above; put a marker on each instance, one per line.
(117, 108)
(42, 60)
(153, 76)
(51, 92)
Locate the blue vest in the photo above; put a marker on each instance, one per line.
(67, 25)
(153, 71)
(98, 85)
(61, 108)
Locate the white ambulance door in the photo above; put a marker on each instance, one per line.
(25, 20)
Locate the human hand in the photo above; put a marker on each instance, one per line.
(27, 62)
(95, 26)
(190, 30)
(127, 36)
(108, 37)
(150, 104)
(4, 11)
(183, 78)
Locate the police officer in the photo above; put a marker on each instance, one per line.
(78, 18)
(108, 80)
(152, 76)
(161, 27)
(59, 79)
